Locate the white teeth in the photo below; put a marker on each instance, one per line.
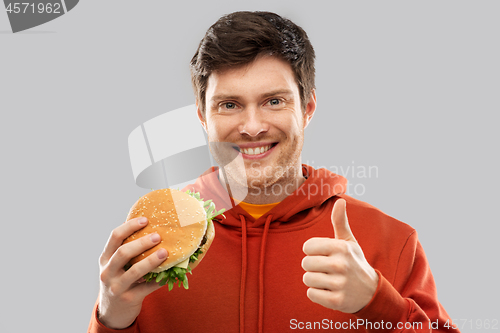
(255, 151)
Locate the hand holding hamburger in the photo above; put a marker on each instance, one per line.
(166, 235)
(184, 223)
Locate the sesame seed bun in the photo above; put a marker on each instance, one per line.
(179, 219)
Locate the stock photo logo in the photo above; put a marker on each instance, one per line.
(25, 15)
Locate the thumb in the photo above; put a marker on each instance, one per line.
(340, 221)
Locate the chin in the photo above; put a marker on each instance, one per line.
(263, 178)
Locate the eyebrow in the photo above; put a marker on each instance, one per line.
(267, 94)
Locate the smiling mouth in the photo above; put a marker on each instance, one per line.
(255, 150)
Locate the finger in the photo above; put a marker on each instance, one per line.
(327, 298)
(130, 250)
(319, 246)
(145, 266)
(324, 264)
(146, 288)
(340, 222)
(333, 282)
(118, 235)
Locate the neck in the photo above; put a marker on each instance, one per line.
(276, 192)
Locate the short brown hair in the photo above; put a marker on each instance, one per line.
(238, 38)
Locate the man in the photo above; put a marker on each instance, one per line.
(287, 255)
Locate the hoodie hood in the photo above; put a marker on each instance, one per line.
(301, 206)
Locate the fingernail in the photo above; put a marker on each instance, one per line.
(143, 220)
(155, 237)
(161, 253)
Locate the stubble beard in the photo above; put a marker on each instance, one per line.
(256, 179)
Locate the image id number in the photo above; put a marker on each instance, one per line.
(472, 324)
(27, 7)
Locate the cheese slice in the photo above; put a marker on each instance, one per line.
(183, 264)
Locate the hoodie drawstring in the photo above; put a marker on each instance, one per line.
(261, 272)
(243, 272)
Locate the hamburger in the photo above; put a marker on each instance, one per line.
(184, 222)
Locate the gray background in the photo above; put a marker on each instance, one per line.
(408, 87)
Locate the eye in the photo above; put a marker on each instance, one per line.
(229, 105)
(274, 101)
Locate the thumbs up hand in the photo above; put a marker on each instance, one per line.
(337, 273)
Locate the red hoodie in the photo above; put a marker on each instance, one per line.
(251, 278)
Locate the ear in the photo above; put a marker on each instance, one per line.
(310, 108)
(201, 117)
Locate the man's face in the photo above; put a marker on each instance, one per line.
(255, 111)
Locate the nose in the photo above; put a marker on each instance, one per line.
(253, 122)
